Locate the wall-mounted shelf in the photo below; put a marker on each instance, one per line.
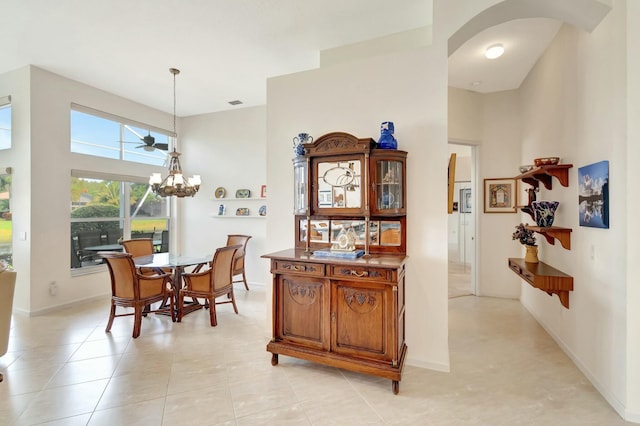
(216, 216)
(545, 173)
(545, 278)
(553, 233)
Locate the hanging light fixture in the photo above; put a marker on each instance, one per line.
(174, 184)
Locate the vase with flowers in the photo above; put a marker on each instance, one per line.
(528, 240)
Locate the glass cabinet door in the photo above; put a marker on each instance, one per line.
(389, 186)
(338, 186)
(300, 179)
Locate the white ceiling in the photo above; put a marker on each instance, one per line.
(226, 49)
(524, 41)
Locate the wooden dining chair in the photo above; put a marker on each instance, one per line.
(144, 247)
(238, 261)
(138, 247)
(131, 289)
(215, 282)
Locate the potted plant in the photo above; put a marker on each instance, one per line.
(527, 239)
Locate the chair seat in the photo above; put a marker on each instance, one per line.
(212, 283)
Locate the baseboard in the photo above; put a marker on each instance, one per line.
(56, 308)
(632, 416)
(616, 404)
(444, 368)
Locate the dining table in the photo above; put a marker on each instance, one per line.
(177, 263)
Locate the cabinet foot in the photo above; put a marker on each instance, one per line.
(395, 386)
(274, 359)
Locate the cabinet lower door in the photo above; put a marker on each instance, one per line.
(362, 320)
(303, 311)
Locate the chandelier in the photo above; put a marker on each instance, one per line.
(175, 184)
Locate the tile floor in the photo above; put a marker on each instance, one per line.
(62, 369)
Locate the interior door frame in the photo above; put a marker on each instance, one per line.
(475, 203)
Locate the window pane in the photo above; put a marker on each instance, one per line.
(5, 127)
(103, 212)
(6, 228)
(94, 135)
(102, 137)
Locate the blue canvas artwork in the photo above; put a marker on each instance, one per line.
(593, 195)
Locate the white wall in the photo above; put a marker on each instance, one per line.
(355, 97)
(492, 123)
(39, 156)
(228, 149)
(633, 205)
(573, 107)
(17, 84)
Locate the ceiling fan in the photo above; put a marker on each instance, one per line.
(149, 143)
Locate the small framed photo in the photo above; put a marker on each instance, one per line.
(263, 191)
(500, 196)
(465, 200)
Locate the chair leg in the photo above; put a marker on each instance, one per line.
(112, 315)
(137, 320)
(233, 300)
(244, 279)
(212, 312)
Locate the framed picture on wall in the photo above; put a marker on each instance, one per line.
(593, 195)
(500, 196)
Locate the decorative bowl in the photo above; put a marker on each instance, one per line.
(546, 161)
(526, 168)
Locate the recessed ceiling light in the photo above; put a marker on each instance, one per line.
(494, 51)
(476, 83)
(236, 102)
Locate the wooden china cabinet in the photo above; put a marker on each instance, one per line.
(338, 295)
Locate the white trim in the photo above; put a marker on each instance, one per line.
(5, 100)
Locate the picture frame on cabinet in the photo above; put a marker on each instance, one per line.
(500, 195)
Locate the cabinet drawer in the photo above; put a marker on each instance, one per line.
(524, 274)
(303, 268)
(362, 273)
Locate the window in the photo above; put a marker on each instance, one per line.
(107, 209)
(105, 135)
(6, 229)
(5, 122)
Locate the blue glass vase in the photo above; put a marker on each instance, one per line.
(544, 212)
(387, 140)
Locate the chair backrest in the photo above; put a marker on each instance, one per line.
(89, 238)
(242, 240)
(164, 246)
(138, 247)
(123, 274)
(113, 235)
(222, 266)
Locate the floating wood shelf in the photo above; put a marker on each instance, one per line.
(545, 173)
(544, 277)
(553, 233)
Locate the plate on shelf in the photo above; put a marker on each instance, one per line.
(220, 192)
(262, 211)
(243, 193)
(242, 211)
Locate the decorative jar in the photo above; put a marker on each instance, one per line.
(544, 212)
(387, 140)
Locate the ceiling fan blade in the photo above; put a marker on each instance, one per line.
(162, 146)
